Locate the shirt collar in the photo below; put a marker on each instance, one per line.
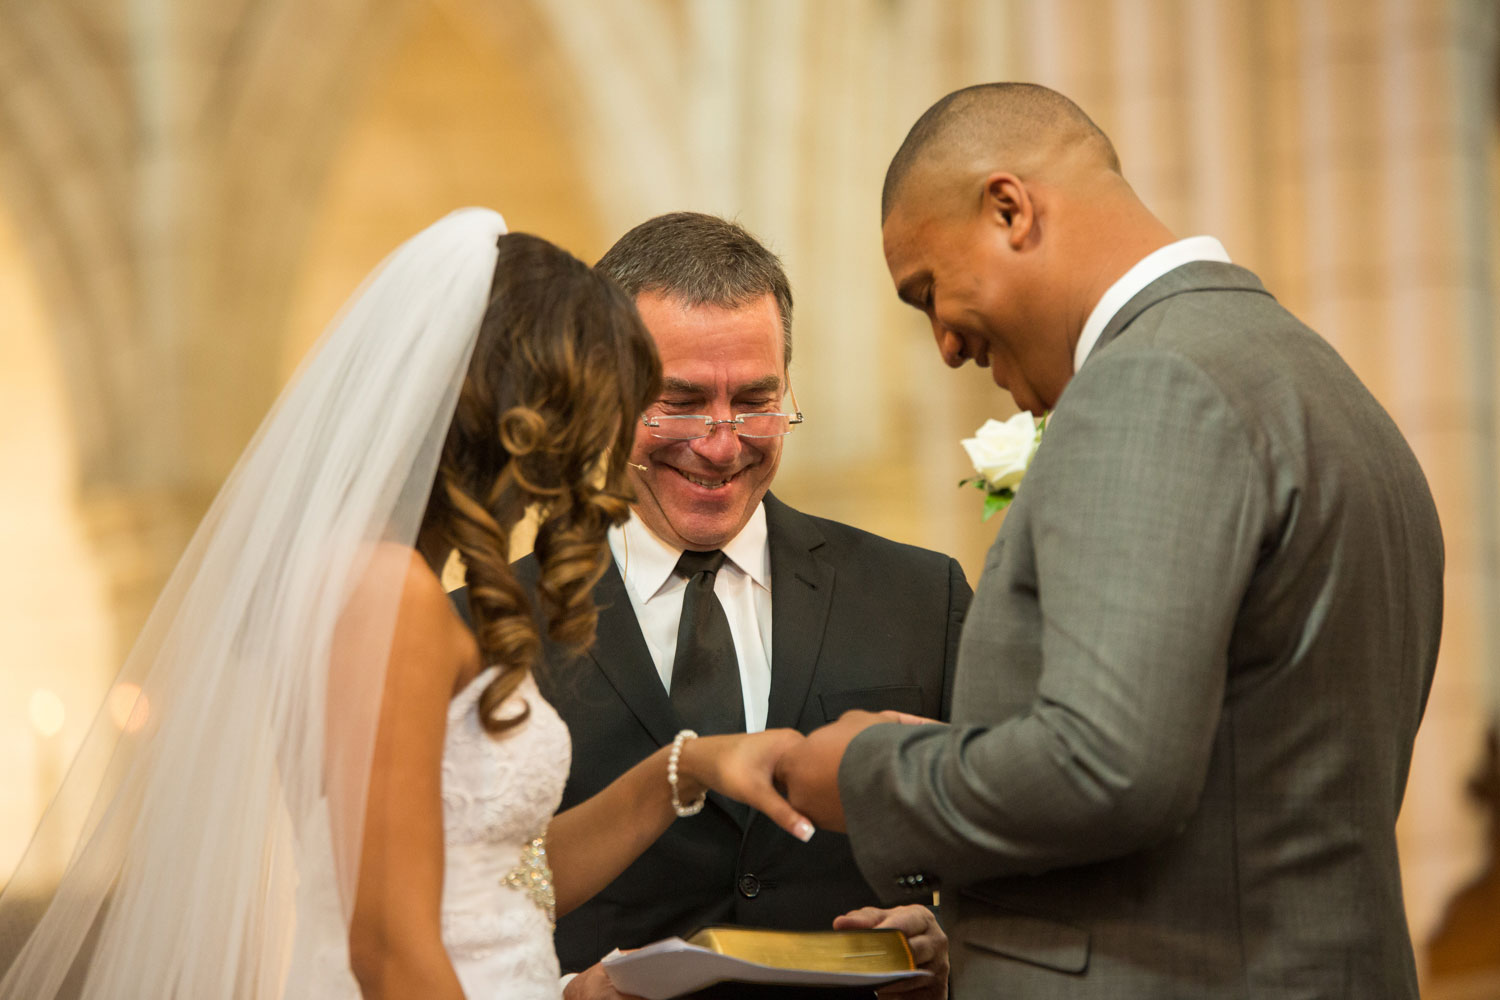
(750, 550)
(648, 563)
(1145, 271)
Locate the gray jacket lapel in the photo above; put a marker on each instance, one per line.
(620, 652)
(802, 590)
(1197, 276)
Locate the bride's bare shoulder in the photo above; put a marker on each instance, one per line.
(397, 585)
(391, 577)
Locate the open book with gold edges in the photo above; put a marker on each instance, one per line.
(674, 966)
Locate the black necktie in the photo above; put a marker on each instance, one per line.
(705, 672)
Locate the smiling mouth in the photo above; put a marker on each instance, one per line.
(708, 484)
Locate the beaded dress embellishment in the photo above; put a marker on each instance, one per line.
(534, 878)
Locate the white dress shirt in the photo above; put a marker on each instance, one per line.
(743, 586)
(1146, 270)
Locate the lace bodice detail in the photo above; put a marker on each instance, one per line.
(499, 792)
(502, 789)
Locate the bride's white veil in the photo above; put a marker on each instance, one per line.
(192, 833)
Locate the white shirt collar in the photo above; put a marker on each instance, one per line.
(648, 563)
(750, 550)
(1145, 271)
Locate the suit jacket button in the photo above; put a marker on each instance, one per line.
(749, 886)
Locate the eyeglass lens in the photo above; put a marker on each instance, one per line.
(690, 426)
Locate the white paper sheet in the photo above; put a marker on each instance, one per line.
(671, 967)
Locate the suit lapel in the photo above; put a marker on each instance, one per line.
(1197, 276)
(620, 652)
(801, 593)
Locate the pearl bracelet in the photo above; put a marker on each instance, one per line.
(692, 808)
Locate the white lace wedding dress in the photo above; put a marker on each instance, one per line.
(499, 793)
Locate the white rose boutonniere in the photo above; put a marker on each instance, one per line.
(1001, 452)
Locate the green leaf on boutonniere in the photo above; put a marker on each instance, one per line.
(996, 502)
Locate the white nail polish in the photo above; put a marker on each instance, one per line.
(804, 831)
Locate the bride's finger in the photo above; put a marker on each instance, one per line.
(766, 800)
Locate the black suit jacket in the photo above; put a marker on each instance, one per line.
(858, 621)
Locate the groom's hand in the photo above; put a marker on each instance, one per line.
(810, 770)
(928, 943)
(593, 984)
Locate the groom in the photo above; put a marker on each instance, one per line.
(1196, 661)
(806, 618)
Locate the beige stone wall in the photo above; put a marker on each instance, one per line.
(188, 188)
(54, 615)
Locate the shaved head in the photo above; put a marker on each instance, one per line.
(1003, 220)
(1009, 126)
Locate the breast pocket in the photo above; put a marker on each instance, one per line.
(900, 697)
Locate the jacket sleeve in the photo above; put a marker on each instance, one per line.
(1144, 510)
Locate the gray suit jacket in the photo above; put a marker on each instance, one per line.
(1188, 684)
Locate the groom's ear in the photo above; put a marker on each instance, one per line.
(1008, 203)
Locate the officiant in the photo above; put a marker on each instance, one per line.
(726, 610)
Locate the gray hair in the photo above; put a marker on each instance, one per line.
(700, 260)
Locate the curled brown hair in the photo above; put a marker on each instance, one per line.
(546, 416)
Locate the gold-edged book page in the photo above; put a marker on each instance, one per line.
(812, 951)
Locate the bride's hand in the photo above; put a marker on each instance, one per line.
(740, 765)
